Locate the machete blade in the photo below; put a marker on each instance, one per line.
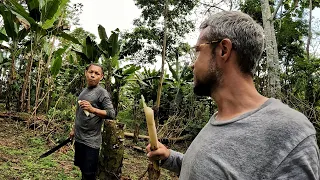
(55, 148)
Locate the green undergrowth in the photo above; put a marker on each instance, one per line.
(20, 150)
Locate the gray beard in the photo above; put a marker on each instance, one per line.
(209, 84)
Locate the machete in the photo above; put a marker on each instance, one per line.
(56, 148)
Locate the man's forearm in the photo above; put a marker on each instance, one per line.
(100, 113)
(103, 113)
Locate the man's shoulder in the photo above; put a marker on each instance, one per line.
(281, 116)
(101, 89)
(101, 92)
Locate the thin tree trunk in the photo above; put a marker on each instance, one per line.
(153, 171)
(49, 92)
(10, 91)
(29, 96)
(309, 32)
(38, 85)
(136, 121)
(309, 93)
(271, 50)
(156, 110)
(25, 84)
(49, 77)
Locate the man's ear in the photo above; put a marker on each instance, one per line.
(226, 48)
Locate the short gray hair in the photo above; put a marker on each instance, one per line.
(246, 35)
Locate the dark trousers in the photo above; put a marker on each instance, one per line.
(86, 158)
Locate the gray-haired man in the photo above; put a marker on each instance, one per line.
(250, 136)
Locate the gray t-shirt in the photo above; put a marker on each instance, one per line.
(88, 128)
(271, 142)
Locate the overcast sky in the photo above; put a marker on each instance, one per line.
(111, 14)
(120, 14)
(114, 14)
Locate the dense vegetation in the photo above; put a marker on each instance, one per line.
(42, 63)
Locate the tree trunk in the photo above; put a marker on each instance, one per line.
(309, 32)
(10, 91)
(156, 110)
(49, 93)
(309, 93)
(111, 154)
(38, 85)
(25, 84)
(153, 169)
(29, 97)
(274, 88)
(136, 121)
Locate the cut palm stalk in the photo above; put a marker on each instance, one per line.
(152, 131)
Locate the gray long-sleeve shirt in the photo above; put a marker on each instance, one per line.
(271, 142)
(88, 128)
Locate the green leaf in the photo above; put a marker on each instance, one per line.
(3, 37)
(1, 58)
(115, 61)
(32, 4)
(22, 34)
(60, 51)
(49, 9)
(60, 5)
(57, 62)
(21, 11)
(173, 72)
(83, 58)
(34, 9)
(56, 66)
(71, 60)
(68, 37)
(88, 48)
(9, 24)
(91, 50)
(131, 70)
(104, 47)
(113, 40)
(102, 33)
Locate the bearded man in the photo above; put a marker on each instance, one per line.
(250, 136)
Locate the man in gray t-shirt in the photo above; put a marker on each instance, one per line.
(250, 137)
(94, 106)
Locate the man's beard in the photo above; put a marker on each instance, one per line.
(207, 85)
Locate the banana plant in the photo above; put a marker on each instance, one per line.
(110, 48)
(148, 81)
(12, 36)
(121, 76)
(42, 19)
(90, 52)
(181, 78)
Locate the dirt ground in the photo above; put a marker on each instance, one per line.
(20, 148)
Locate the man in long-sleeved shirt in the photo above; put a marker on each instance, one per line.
(250, 136)
(95, 101)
